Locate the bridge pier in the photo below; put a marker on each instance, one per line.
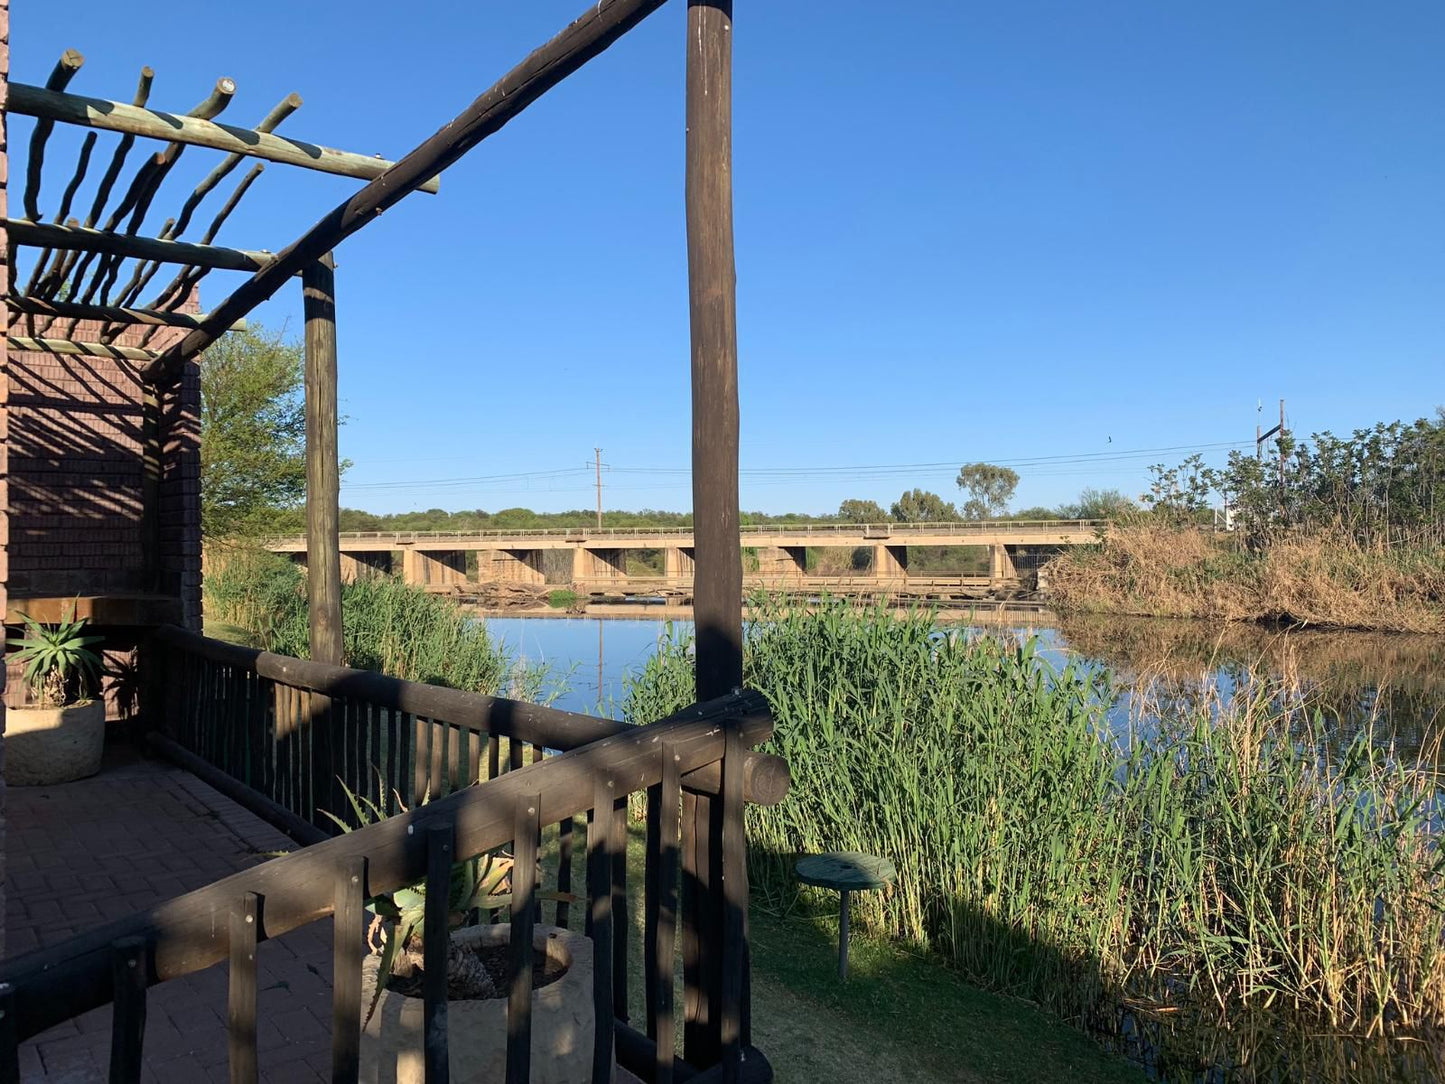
(1002, 571)
(433, 568)
(511, 566)
(358, 566)
(788, 563)
(590, 565)
(678, 562)
(890, 563)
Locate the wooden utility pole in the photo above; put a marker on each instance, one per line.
(323, 478)
(598, 451)
(712, 961)
(1281, 449)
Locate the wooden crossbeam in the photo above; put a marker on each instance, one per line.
(49, 235)
(587, 36)
(110, 314)
(90, 350)
(53, 105)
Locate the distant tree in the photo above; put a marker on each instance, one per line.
(1094, 503)
(989, 489)
(921, 506)
(856, 511)
(253, 432)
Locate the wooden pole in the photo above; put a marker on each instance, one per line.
(323, 479)
(588, 35)
(196, 131)
(717, 584)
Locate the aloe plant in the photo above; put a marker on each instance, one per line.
(477, 884)
(59, 665)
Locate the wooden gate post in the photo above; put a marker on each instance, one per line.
(718, 583)
(323, 477)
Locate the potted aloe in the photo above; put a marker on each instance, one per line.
(59, 737)
(476, 961)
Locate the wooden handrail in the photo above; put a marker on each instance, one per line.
(189, 932)
(766, 777)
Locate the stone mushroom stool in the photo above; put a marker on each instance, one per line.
(846, 871)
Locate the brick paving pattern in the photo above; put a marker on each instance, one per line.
(140, 832)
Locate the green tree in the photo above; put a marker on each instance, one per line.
(253, 432)
(856, 511)
(1094, 503)
(921, 506)
(989, 489)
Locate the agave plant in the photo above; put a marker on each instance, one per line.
(481, 883)
(59, 665)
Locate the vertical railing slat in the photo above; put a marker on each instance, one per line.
(664, 952)
(494, 756)
(564, 870)
(9, 1044)
(439, 845)
(621, 918)
(241, 1005)
(599, 892)
(519, 971)
(735, 903)
(348, 942)
(128, 1012)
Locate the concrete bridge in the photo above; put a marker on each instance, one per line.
(597, 558)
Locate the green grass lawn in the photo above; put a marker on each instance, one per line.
(899, 1016)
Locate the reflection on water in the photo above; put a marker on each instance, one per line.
(1391, 685)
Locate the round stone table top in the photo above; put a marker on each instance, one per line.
(846, 871)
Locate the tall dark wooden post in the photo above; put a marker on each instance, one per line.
(323, 478)
(718, 586)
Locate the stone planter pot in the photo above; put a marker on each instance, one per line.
(53, 745)
(562, 1021)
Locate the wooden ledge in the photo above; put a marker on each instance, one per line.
(98, 609)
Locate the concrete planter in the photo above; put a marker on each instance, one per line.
(53, 745)
(562, 1021)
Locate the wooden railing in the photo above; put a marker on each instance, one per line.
(289, 737)
(703, 747)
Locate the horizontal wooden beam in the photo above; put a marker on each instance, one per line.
(152, 123)
(587, 36)
(89, 350)
(79, 238)
(110, 314)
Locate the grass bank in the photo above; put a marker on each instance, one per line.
(1169, 883)
(1309, 579)
(388, 626)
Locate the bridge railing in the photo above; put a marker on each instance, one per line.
(867, 532)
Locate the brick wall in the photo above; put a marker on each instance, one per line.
(75, 448)
(4, 443)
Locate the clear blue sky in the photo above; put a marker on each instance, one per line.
(964, 231)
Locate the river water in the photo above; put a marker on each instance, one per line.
(1392, 684)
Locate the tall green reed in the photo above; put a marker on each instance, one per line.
(1211, 856)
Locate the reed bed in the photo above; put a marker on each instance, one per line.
(1212, 857)
(388, 626)
(1323, 580)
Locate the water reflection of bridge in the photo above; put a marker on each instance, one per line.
(598, 558)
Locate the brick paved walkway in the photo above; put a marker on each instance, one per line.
(138, 833)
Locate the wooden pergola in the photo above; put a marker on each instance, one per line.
(80, 275)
